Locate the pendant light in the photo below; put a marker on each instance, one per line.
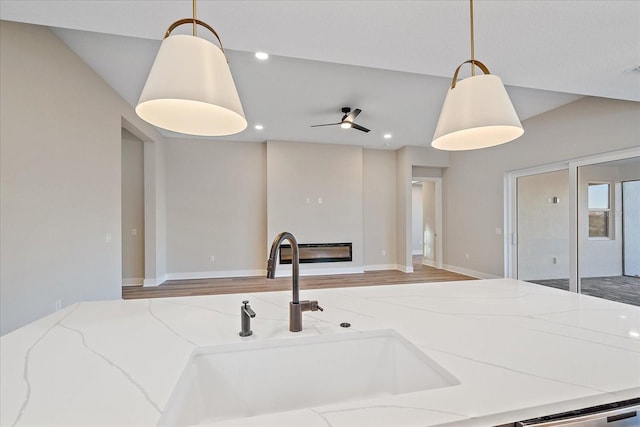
(190, 89)
(477, 112)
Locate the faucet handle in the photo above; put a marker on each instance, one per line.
(247, 309)
(315, 306)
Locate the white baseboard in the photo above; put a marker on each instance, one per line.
(379, 267)
(285, 271)
(215, 274)
(136, 281)
(405, 268)
(429, 263)
(154, 281)
(468, 272)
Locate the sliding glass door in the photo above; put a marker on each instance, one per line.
(576, 225)
(609, 230)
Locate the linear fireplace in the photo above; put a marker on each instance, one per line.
(318, 252)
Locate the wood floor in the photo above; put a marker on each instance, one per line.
(177, 288)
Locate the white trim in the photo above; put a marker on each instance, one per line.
(154, 281)
(606, 157)
(472, 273)
(405, 268)
(136, 281)
(574, 277)
(286, 272)
(380, 267)
(439, 229)
(215, 274)
(429, 263)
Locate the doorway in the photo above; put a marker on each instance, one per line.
(426, 229)
(133, 237)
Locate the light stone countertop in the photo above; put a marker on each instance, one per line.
(519, 351)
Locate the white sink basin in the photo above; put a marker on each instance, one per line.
(261, 377)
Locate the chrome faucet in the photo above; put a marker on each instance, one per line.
(296, 307)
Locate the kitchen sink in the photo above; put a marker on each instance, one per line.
(261, 377)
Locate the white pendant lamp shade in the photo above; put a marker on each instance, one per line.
(477, 113)
(190, 90)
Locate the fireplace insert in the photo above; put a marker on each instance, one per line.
(318, 252)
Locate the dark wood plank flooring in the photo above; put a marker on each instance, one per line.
(177, 288)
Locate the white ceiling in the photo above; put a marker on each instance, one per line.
(392, 59)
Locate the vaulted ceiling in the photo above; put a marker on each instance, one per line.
(392, 59)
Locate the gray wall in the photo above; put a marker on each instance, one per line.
(217, 204)
(216, 207)
(379, 216)
(315, 191)
(60, 142)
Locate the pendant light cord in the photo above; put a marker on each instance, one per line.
(473, 54)
(195, 20)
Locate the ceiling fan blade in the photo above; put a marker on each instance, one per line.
(356, 126)
(352, 115)
(328, 124)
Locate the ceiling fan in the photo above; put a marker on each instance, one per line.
(347, 120)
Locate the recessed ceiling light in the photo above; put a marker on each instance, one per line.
(259, 127)
(387, 136)
(634, 334)
(262, 55)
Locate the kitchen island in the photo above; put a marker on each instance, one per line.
(518, 351)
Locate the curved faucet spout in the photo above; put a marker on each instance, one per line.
(295, 262)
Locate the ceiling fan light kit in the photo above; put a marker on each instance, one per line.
(477, 112)
(190, 88)
(347, 121)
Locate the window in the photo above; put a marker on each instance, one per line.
(599, 204)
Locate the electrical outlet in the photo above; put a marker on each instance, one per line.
(134, 231)
(107, 238)
(498, 230)
(319, 200)
(466, 256)
(58, 305)
(212, 258)
(383, 252)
